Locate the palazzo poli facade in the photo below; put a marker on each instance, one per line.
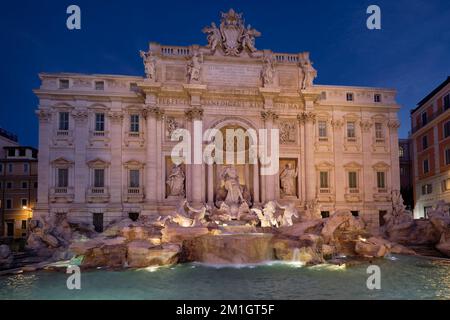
(104, 140)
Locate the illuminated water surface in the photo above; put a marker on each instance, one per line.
(402, 278)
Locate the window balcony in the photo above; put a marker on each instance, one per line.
(353, 195)
(62, 194)
(63, 133)
(98, 194)
(99, 138)
(324, 190)
(63, 137)
(134, 194)
(353, 190)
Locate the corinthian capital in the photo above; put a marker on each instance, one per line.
(337, 123)
(394, 124)
(195, 113)
(80, 115)
(155, 112)
(116, 116)
(306, 117)
(269, 115)
(365, 125)
(43, 115)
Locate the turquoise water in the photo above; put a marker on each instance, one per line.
(401, 278)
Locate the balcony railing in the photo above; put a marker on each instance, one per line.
(60, 190)
(324, 190)
(62, 133)
(353, 190)
(134, 191)
(98, 190)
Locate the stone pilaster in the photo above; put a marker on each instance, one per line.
(395, 161)
(366, 180)
(81, 170)
(195, 116)
(116, 133)
(339, 175)
(270, 181)
(44, 180)
(154, 190)
(309, 119)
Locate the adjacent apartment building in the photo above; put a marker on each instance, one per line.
(18, 187)
(431, 149)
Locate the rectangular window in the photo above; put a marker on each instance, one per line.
(63, 178)
(26, 168)
(24, 224)
(134, 123)
(426, 166)
(134, 87)
(24, 185)
(352, 180)
(427, 189)
(446, 185)
(11, 152)
(424, 142)
(322, 129)
(379, 131)
(1, 168)
(63, 121)
(134, 179)
(401, 152)
(325, 214)
(424, 118)
(381, 183)
(8, 204)
(324, 180)
(99, 122)
(64, 84)
(9, 185)
(99, 85)
(447, 156)
(447, 129)
(24, 202)
(351, 130)
(97, 221)
(447, 101)
(349, 96)
(377, 97)
(22, 152)
(355, 213)
(99, 178)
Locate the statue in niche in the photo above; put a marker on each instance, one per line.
(214, 36)
(309, 74)
(149, 64)
(171, 126)
(267, 215)
(285, 219)
(175, 181)
(268, 71)
(230, 178)
(287, 179)
(248, 38)
(194, 67)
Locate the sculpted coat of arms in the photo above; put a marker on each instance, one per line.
(231, 36)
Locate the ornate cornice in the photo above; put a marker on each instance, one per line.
(194, 113)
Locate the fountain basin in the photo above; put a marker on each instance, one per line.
(229, 248)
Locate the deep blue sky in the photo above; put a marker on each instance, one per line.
(411, 53)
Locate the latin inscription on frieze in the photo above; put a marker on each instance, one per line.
(233, 75)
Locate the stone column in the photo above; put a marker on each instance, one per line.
(256, 198)
(195, 115)
(116, 133)
(310, 171)
(269, 181)
(395, 161)
(81, 170)
(210, 184)
(44, 169)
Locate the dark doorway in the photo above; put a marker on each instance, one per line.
(381, 215)
(355, 213)
(98, 221)
(325, 214)
(10, 229)
(133, 215)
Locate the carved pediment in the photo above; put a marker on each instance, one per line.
(62, 162)
(133, 164)
(324, 165)
(353, 165)
(380, 166)
(97, 163)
